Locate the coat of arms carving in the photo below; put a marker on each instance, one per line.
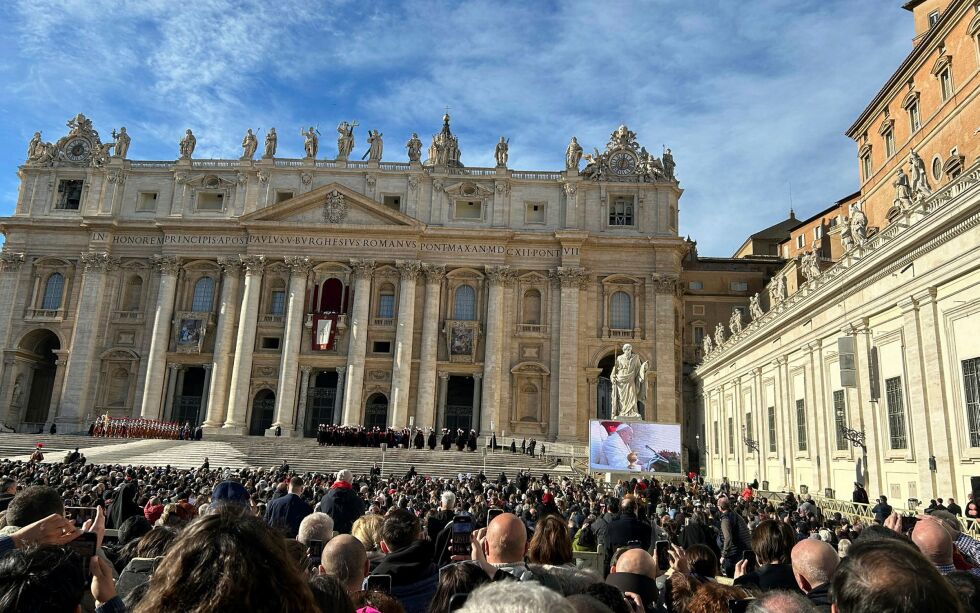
(335, 208)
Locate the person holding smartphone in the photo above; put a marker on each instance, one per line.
(772, 546)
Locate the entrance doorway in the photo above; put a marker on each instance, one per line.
(459, 404)
(187, 402)
(33, 395)
(320, 401)
(376, 412)
(263, 412)
(604, 388)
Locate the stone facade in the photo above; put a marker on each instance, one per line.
(197, 290)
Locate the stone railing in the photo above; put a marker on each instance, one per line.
(268, 318)
(45, 314)
(536, 175)
(326, 163)
(289, 163)
(383, 322)
(394, 165)
(357, 164)
(531, 329)
(623, 333)
(150, 164)
(859, 260)
(215, 163)
(132, 316)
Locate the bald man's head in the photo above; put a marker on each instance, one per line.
(506, 540)
(636, 561)
(814, 563)
(933, 541)
(345, 558)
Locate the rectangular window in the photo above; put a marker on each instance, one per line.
(698, 335)
(915, 121)
(800, 240)
(621, 211)
(896, 413)
(698, 309)
(278, 306)
(210, 201)
(801, 443)
(534, 212)
(840, 419)
(695, 285)
(771, 415)
(282, 196)
(817, 233)
(386, 305)
(717, 440)
(933, 18)
(146, 202)
(739, 286)
(393, 202)
(946, 83)
(866, 166)
(381, 347)
(468, 210)
(270, 343)
(889, 137)
(69, 194)
(971, 384)
(731, 436)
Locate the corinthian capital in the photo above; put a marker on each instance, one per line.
(10, 261)
(168, 265)
(570, 276)
(408, 269)
(98, 261)
(299, 265)
(434, 273)
(231, 266)
(664, 284)
(362, 269)
(254, 264)
(500, 275)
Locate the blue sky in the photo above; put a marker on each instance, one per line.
(752, 97)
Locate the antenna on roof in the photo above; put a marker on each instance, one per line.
(792, 214)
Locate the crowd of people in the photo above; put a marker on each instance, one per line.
(414, 438)
(222, 539)
(140, 427)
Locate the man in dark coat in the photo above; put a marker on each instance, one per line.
(408, 561)
(860, 494)
(286, 512)
(626, 528)
(432, 440)
(419, 439)
(342, 503)
(447, 440)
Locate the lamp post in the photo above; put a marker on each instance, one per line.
(753, 445)
(856, 437)
(697, 450)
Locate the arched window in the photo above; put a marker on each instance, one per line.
(277, 299)
(532, 307)
(203, 295)
(133, 294)
(53, 290)
(332, 296)
(621, 311)
(386, 301)
(464, 305)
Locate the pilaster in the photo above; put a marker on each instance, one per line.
(571, 416)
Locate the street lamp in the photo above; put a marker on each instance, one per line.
(855, 436)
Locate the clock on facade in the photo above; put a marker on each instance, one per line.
(77, 149)
(622, 163)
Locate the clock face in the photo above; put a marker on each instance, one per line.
(622, 163)
(77, 149)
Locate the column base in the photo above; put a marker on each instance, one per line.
(286, 433)
(214, 429)
(238, 429)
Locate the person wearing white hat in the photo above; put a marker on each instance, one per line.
(617, 447)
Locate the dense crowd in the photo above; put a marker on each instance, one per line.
(218, 539)
(139, 427)
(415, 438)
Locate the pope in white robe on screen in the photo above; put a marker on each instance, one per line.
(617, 447)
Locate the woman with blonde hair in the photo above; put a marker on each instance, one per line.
(367, 529)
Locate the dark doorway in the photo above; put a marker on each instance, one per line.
(320, 400)
(376, 412)
(263, 412)
(42, 343)
(459, 403)
(604, 388)
(187, 402)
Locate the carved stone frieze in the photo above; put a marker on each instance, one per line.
(335, 208)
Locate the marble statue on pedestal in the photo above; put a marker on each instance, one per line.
(846, 238)
(345, 138)
(755, 309)
(669, 165)
(920, 182)
(122, 142)
(271, 143)
(312, 143)
(500, 152)
(735, 322)
(719, 334)
(810, 264)
(414, 146)
(187, 145)
(707, 346)
(628, 383)
(903, 193)
(573, 154)
(249, 145)
(35, 148)
(858, 224)
(375, 146)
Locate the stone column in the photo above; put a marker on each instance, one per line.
(918, 426)
(338, 401)
(861, 415)
(571, 279)
(206, 396)
(168, 403)
(241, 370)
(59, 383)
(10, 264)
(362, 270)
(224, 343)
(156, 359)
(477, 413)
(83, 358)
(443, 395)
(401, 372)
(429, 351)
(666, 350)
(554, 393)
(497, 276)
(299, 272)
(304, 387)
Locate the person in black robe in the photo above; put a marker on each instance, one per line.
(460, 440)
(530, 447)
(513, 446)
(493, 442)
(447, 440)
(432, 440)
(524, 446)
(419, 440)
(411, 473)
(123, 505)
(471, 444)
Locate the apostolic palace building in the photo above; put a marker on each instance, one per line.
(264, 291)
(862, 360)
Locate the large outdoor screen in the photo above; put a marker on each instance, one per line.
(635, 446)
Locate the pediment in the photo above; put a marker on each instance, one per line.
(332, 205)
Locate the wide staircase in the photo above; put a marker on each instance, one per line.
(302, 454)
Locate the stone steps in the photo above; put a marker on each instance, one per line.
(302, 455)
